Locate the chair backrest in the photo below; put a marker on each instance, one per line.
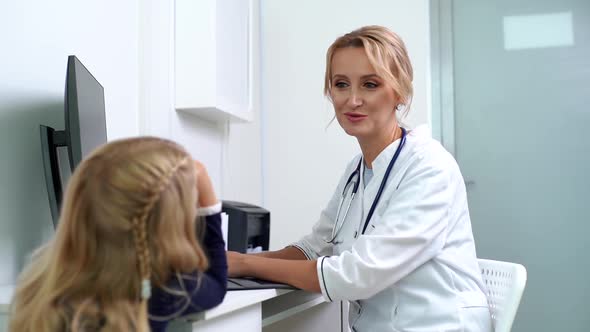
(505, 284)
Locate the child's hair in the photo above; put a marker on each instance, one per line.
(128, 215)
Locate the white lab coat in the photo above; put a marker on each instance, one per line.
(415, 268)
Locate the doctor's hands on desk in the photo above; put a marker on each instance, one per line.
(238, 262)
(284, 266)
(235, 264)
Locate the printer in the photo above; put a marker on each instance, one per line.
(248, 226)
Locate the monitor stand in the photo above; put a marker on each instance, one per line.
(50, 140)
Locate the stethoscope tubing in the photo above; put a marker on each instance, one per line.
(336, 229)
(385, 176)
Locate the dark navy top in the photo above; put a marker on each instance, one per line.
(206, 290)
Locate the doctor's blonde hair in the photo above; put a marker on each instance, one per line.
(386, 52)
(129, 214)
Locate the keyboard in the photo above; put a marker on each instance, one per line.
(248, 283)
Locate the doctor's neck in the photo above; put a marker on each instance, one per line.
(374, 145)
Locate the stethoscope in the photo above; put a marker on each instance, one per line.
(353, 182)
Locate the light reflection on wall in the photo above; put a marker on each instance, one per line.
(538, 31)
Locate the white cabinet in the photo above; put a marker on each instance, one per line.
(213, 58)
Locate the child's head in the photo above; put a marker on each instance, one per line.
(129, 214)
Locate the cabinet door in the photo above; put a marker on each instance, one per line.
(213, 58)
(245, 319)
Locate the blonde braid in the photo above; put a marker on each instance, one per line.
(139, 229)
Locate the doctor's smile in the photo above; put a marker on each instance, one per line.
(355, 117)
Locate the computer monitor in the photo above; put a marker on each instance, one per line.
(85, 119)
(85, 129)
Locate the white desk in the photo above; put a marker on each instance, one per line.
(268, 310)
(5, 296)
(252, 310)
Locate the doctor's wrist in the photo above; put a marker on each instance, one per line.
(236, 264)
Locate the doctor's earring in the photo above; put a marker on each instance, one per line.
(399, 107)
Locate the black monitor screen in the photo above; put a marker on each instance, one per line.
(84, 112)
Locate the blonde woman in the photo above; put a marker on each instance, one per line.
(126, 241)
(395, 239)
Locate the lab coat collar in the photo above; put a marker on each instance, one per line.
(380, 163)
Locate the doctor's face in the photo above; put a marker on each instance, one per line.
(364, 103)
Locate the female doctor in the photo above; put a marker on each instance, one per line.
(395, 239)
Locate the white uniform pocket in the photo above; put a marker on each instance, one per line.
(474, 312)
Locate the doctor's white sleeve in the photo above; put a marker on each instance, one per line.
(315, 244)
(411, 231)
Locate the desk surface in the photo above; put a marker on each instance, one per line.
(6, 292)
(234, 300)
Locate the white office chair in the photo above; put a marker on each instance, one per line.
(505, 284)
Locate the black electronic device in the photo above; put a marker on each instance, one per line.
(85, 129)
(248, 226)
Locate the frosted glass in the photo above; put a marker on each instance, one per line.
(538, 31)
(521, 119)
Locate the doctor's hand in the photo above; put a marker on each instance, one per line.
(301, 273)
(236, 264)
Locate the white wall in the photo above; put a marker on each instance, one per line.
(129, 47)
(242, 158)
(232, 152)
(37, 37)
(157, 116)
(302, 161)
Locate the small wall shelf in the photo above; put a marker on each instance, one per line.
(213, 59)
(217, 114)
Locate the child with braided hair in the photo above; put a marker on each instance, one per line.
(129, 253)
